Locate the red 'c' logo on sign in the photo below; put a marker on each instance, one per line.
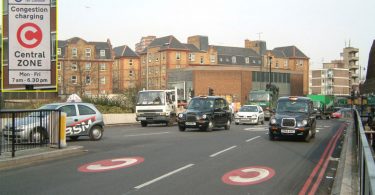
(29, 35)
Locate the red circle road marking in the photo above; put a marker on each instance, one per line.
(29, 35)
(110, 164)
(248, 176)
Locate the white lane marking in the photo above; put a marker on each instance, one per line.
(163, 176)
(252, 138)
(262, 128)
(127, 161)
(143, 134)
(217, 153)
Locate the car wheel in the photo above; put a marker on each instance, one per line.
(227, 126)
(74, 138)
(96, 133)
(271, 136)
(263, 121)
(38, 136)
(144, 124)
(210, 126)
(259, 122)
(181, 128)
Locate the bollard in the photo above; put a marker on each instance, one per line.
(63, 130)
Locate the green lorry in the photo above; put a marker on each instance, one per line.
(323, 104)
(264, 98)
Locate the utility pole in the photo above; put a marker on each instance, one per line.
(261, 63)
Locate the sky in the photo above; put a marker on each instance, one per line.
(319, 28)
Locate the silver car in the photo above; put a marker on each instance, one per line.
(83, 119)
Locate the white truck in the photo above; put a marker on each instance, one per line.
(156, 107)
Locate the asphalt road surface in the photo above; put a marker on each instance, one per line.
(162, 160)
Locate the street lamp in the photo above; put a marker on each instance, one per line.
(270, 61)
(147, 69)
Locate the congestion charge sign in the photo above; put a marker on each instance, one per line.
(29, 42)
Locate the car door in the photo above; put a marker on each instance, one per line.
(86, 118)
(218, 113)
(72, 127)
(261, 113)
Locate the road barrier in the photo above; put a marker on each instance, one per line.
(365, 158)
(28, 129)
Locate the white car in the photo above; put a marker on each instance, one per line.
(249, 114)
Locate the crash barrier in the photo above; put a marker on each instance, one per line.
(365, 158)
(28, 129)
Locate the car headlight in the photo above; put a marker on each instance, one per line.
(273, 121)
(204, 116)
(302, 123)
(180, 115)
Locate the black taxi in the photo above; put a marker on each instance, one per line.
(205, 113)
(294, 116)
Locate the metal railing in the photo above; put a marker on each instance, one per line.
(365, 158)
(28, 129)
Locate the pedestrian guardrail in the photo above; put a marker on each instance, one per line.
(365, 158)
(28, 129)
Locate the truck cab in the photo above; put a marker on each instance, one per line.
(156, 107)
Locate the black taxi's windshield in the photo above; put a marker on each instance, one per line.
(292, 106)
(201, 104)
(151, 98)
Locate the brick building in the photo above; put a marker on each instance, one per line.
(126, 69)
(230, 71)
(84, 67)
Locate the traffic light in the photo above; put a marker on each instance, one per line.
(192, 93)
(210, 91)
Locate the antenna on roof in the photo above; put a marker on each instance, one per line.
(259, 33)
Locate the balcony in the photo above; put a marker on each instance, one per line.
(353, 66)
(354, 75)
(354, 58)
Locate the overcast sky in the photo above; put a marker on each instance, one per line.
(320, 28)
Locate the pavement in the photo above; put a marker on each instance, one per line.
(37, 155)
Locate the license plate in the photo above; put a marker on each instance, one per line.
(288, 131)
(141, 118)
(190, 123)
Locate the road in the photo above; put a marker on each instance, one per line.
(162, 160)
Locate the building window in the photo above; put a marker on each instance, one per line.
(227, 59)
(143, 60)
(178, 55)
(103, 67)
(163, 55)
(130, 62)
(131, 73)
(88, 80)
(88, 66)
(102, 53)
(286, 64)
(234, 60)
(202, 60)
(88, 93)
(102, 80)
(300, 62)
(247, 60)
(74, 52)
(102, 92)
(212, 58)
(192, 57)
(59, 51)
(74, 66)
(73, 79)
(53, 46)
(59, 65)
(88, 52)
(59, 79)
(277, 64)
(221, 59)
